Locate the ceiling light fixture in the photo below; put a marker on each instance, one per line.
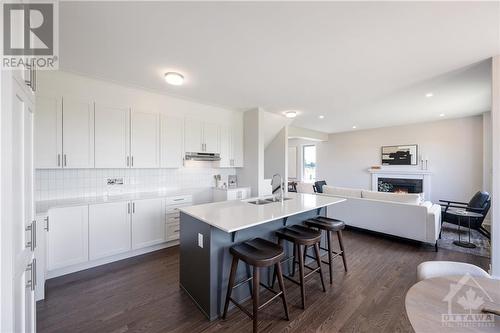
(321, 117)
(290, 114)
(354, 127)
(173, 78)
(428, 95)
(441, 114)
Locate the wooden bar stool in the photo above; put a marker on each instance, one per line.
(330, 225)
(258, 253)
(301, 237)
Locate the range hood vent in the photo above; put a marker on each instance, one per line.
(202, 156)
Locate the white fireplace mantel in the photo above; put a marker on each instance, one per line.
(425, 175)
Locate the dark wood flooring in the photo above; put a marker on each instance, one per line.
(142, 294)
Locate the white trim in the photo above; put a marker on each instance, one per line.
(495, 187)
(404, 174)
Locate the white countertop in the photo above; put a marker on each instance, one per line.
(42, 207)
(231, 216)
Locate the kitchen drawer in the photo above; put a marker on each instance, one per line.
(178, 200)
(175, 209)
(173, 232)
(173, 219)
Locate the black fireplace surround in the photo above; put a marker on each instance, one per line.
(405, 185)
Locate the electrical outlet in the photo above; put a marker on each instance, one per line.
(200, 240)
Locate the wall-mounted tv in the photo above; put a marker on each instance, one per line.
(399, 155)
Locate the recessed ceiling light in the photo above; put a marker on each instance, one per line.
(290, 114)
(354, 127)
(174, 78)
(428, 95)
(321, 117)
(441, 114)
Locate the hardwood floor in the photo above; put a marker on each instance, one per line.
(142, 294)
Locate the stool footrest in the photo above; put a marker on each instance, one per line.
(242, 308)
(242, 282)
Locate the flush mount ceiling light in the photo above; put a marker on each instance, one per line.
(354, 127)
(321, 117)
(173, 78)
(441, 114)
(429, 95)
(290, 114)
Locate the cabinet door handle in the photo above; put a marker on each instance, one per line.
(133, 207)
(58, 160)
(30, 242)
(65, 160)
(33, 227)
(132, 160)
(128, 208)
(47, 223)
(128, 160)
(33, 265)
(29, 283)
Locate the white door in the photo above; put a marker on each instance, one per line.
(211, 137)
(193, 135)
(225, 147)
(48, 132)
(109, 229)
(78, 133)
(112, 136)
(23, 237)
(145, 139)
(171, 133)
(67, 236)
(148, 222)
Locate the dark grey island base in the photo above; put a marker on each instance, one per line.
(204, 271)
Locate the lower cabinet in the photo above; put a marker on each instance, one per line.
(109, 229)
(148, 222)
(67, 237)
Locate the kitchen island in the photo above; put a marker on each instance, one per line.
(208, 231)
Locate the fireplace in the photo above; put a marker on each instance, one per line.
(400, 185)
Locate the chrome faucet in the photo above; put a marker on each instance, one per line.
(277, 188)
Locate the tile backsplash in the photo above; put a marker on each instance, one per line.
(71, 183)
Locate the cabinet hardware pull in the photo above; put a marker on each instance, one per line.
(65, 160)
(33, 227)
(30, 242)
(33, 265)
(58, 159)
(47, 223)
(132, 160)
(180, 199)
(128, 160)
(133, 207)
(29, 283)
(128, 208)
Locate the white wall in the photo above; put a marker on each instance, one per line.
(454, 148)
(276, 155)
(253, 146)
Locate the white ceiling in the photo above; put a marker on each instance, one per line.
(367, 64)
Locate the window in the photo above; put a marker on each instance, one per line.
(309, 163)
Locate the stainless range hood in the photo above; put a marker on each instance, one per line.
(192, 156)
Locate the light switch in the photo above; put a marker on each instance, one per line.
(200, 240)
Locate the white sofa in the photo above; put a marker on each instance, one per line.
(402, 215)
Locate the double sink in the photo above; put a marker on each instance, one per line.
(266, 201)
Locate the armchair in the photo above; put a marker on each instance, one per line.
(480, 203)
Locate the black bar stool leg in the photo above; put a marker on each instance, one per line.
(341, 243)
(330, 256)
(232, 275)
(256, 283)
(294, 260)
(282, 288)
(301, 273)
(318, 260)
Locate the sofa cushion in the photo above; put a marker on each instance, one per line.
(342, 191)
(409, 198)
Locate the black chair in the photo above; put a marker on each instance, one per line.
(480, 203)
(318, 186)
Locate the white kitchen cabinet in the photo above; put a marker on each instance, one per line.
(67, 236)
(109, 229)
(193, 135)
(239, 193)
(112, 136)
(211, 137)
(237, 144)
(48, 132)
(78, 133)
(171, 150)
(201, 136)
(148, 222)
(145, 139)
(231, 147)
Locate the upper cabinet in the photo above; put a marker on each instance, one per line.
(112, 136)
(145, 140)
(78, 133)
(171, 134)
(201, 136)
(48, 132)
(231, 147)
(64, 133)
